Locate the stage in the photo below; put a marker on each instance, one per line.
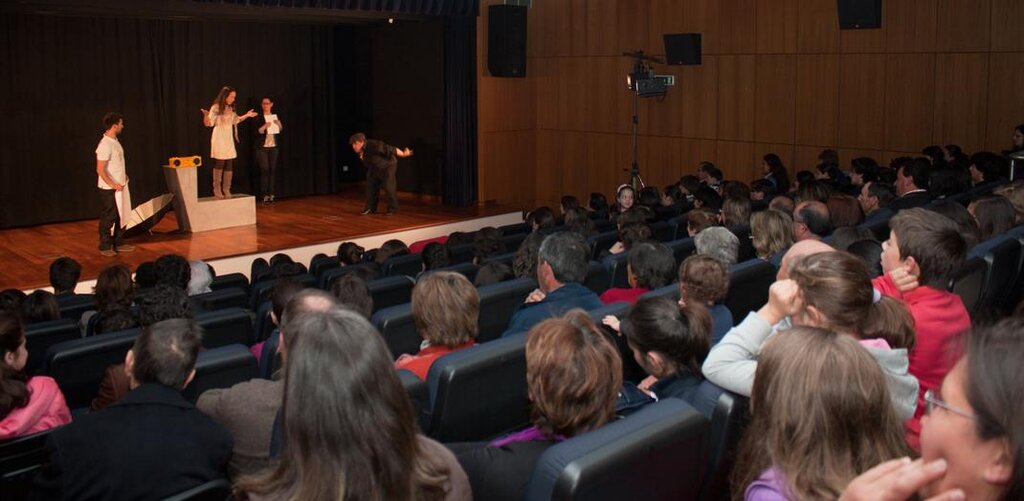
(299, 226)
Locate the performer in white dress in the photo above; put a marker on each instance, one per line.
(221, 116)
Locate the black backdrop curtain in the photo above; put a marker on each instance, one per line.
(459, 167)
(61, 74)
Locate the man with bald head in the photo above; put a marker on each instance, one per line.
(247, 410)
(811, 221)
(798, 250)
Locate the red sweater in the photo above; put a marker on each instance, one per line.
(622, 295)
(939, 319)
(420, 363)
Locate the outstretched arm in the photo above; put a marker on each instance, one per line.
(407, 152)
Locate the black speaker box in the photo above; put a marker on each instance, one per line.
(506, 40)
(682, 48)
(860, 14)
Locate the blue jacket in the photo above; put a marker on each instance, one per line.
(569, 296)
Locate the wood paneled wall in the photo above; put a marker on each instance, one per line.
(777, 76)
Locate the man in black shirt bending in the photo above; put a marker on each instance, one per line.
(381, 161)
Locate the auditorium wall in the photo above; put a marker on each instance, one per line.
(777, 76)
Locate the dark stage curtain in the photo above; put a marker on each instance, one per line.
(61, 74)
(459, 165)
(418, 7)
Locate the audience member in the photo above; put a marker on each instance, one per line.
(844, 236)
(39, 306)
(863, 170)
(629, 234)
(649, 197)
(985, 167)
(1014, 192)
(771, 232)
(116, 319)
(820, 416)
(541, 218)
(487, 243)
(707, 198)
(27, 404)
(573, 375)
(828, 169)
(948, 181)
(247, 409)
(153, 444)
(624, 199)
(955, 155)
(718, 243)
(352, 292)
(736, 212)
(568, 202)
(782, 204)
(869, 251)
(762, 191)
(576, 219)
(446, 311)
(173, 270)
(830, 290)
(971, 440)
(339, 373)
(267, 351)
(993, 214)
(145, 275)
(561, 269)
(935, 155)
(649, 265)
(524, 262)
(436, 256)
(491, 273)
(389, 249)
(597, 205)
(697, 220)
(964, 220)
(350, 253)
(844, 210)
(200, 278)
(927, 248)
(875, 198)
(813, 190)
(911, 185)
(113, 290)
(64, 275)
(456, 238)
(705, 280)
(775, 172)
(811, 221)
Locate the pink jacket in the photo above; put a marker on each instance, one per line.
(939, 319)
(46, 409)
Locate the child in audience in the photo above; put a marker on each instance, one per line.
(669, 342)
(39, 306)
(649, 265)
(573, 373)
(27, 404)
(704, 280)
(491, 273)
(821, 414)
(993, 214)
(831, 290)
(927, 248)
(446, 310)
(972, 436)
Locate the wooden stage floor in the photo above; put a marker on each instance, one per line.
(26, 253)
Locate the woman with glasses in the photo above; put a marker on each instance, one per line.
(972, 437)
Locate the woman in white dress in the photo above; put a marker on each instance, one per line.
(221, 116)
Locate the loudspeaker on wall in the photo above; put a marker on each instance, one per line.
(506, 40)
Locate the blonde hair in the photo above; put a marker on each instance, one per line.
(771, 231)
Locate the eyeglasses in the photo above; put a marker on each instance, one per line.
(932, 401)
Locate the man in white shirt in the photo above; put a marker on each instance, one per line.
(112, 179)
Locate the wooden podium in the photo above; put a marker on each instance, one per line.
(204, 214)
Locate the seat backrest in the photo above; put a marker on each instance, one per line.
(221, 367)
(515, 229)
(396, 325)
(502, 258)
(41, 336)
(231, 297)
(748, 286)
(513, 241)
(262, 325)
(320, 264)
(879, 227)
(230, 280)
(467, 270)
(78, 365)
(599, 279)
(657, 453)
(479, 392)
(260, 291)
(670, 291)
(325, 279)
(498, 302)
(602, 242)
(663, 231)
(224, 327)
(729, 415)
(418, 393)
(746, 249)
(615, 264)
(408, 264)
(389, 291)
(631, 370)
(682, 248)
(214, 490)
(1003, 260)
(461, 253)
(969, 283)
(19, 459)
(72, 308)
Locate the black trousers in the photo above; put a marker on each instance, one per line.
(266, 159)
(376, 178)
(109, 218)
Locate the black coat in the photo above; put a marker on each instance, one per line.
(150, 445)
(910, 201)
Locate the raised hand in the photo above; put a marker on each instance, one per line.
(783, 301)
(898, 480)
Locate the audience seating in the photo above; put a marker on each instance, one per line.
(262, 325)
(663, 231)
(214, 490)
(501, 258)
(670, 291)
(418, 393)
(616, 265)
(41, 336)
(682, 248)
(321, 263)
(221, 367)
(230, 280)
(461, 253)
(327, 278)
(746, 249)
(498, 302)
(748, 287)
(224, 327)
(514, 229)
(480, 392)
(729, 415)
(231, 297)
(1002, 256)
(969, 283)
(879, 227)
(390, 291)
(396, 325)
(466, 269)
(78, 365)
(72, 308)
(658, 453)
(603, 225)
(598, 278)
(261, 290)
(602, 242)
(631, 370)
(408, 265)
(512, 242)
(19, 459)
